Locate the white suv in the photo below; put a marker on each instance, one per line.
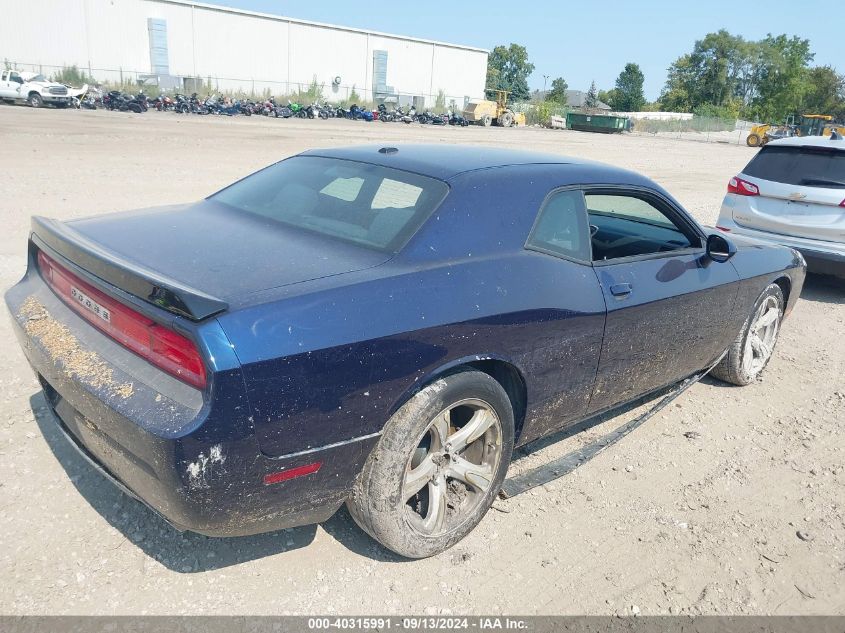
(793, 193)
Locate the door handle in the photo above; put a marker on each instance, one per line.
(621, 290)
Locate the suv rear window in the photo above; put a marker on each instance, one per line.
(372, 206)
(797, 165)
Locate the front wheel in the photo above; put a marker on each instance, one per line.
(438, 467)
(752, 349)
(35, 100)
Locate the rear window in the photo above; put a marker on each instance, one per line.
(372, 206)
(804, 166)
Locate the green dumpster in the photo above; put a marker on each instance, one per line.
(604, 123)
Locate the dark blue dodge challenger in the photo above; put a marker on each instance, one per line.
(380, 327)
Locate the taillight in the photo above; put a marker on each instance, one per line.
(164, 348)
(742, 187)
(842, 204)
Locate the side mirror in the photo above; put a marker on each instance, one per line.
(719, 248)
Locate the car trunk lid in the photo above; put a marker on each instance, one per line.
(196, 260)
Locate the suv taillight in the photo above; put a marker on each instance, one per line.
(164, 348)
(742, 187)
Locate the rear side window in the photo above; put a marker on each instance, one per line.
(802, 166)
(372, 206)
(561, 227)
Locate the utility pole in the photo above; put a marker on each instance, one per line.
(545, 79)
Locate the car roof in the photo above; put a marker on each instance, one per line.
(809, 141)
(445, 161)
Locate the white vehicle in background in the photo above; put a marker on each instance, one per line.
(32, 88)
(793, 193)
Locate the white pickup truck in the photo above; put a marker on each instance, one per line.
(34, 89)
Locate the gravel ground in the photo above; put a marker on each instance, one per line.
(728, 501)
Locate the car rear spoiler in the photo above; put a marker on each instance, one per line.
(141, 282)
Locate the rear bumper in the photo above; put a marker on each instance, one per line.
(821, 256)
(190, 457)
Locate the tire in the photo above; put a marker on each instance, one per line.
(506, 120)
(753, 140)
(35, 100)
(134, 107)
(486, 120)
(736, 367)
(411, 442)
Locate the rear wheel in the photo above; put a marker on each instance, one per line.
(439, 464)
(753, 140)
(486, 120)
(752, 349)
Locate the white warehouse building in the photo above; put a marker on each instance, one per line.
(180, 43)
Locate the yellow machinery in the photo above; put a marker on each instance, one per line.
(808, 125)
(496, 112)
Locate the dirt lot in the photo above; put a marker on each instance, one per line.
(658, 523)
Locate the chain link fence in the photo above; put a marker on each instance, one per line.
(302, 90)
(697, 128)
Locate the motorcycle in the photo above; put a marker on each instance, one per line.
(457, 119)
(389, 116)
(428, 117)
(117, 100)
(357, 113)
(181, 104)
(297, 109)
(197, 105)
(316, 111)
(410, 116)
(163, 103)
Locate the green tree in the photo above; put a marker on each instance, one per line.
(558, 91)
(824, 92)
(764, 80)
(782, 75)
(607, 96)
(592, 98)
(508, 69)
(628, 95)
(720, 68)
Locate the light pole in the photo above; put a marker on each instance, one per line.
(545, 79)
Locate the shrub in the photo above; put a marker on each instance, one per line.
(71, 75)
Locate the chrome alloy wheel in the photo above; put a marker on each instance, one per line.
(452, 467)
(762, 336)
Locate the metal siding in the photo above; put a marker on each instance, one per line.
(237, 51)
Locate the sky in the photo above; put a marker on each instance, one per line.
(583, 41)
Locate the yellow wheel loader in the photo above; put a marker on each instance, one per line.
(807, 125)
(487, 113)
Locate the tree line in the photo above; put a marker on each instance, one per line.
(724, 76)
